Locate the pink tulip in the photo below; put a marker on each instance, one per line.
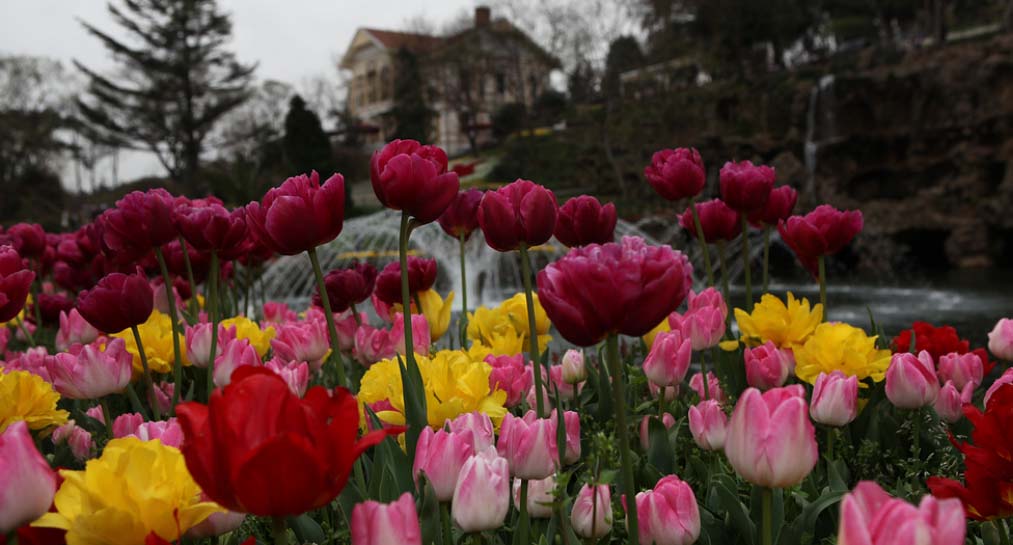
(540, 496)
(510, 374)
(303, 341)
(217, 523)
(480, 426)
(709, 424)
(668, 514)
(911, 381)
(703, 327)
(961, 369)
(27, 483)
(373, 344)
(295, 374)
(668, 361)
(571, 420)
(163, 396)
(395, 523)
(125, 424)
(198, 343)
(950, 402)
(1005, 378)
(36, 361)
(482, 494)
(278, 313)
(91, 373)
(133, 425)
(770, 440)
(440, 455)
(713, 387)
(420, 334)
(160, 300)
(835, 399)
(767, 366)
(74, 330)
(96, 413)
(1000, 339)
(591, 517)
(346, 326)
(236, 354)
(669, 392)
(645, 437)
(574, 371)
(78, 440)
(529, 445)
(870, 516)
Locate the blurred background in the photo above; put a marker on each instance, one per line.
(902, 108)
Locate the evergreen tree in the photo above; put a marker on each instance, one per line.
(624, 54)
(412, 116)
(307, 146)
(174, 82)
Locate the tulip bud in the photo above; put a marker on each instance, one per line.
(347, 287)
(746, 187)
(911, 381)
(395, 523)
(480, 426)
(413, 178)
(440, 455)
(668, 514)
(117, 302)
(709, 424)
(529, 445)
(574, 371)
(767, 366)
(522, 212)
(482, 495)
(540, 496)
(770, 440)
(668, 361)
(27, 483)
(961, 369)
(591, 516)
(421, 277)
(645, 423)
(676, 173)
(950, 402)
(461, 217)
(835, 399)
(1000, 339)
(583, 220)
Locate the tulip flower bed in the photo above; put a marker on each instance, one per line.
(147, 397)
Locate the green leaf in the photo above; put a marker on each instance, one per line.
(837, 475)
(737, 512)
(659, 451)
(605, 412)
(306, 529)
(429, 513)
(814, 509)
(414, 390)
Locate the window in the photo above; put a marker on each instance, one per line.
(500, 83)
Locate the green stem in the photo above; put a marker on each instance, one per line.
(135, 402)
(766, 258)
(536, 360)
(703, 376)
(28, 334)
(339, 362)
(36, 288)
(355, 314)
(212, 305)
(623, 432)
(823, 284)
(747, 260)
(192, 303)
(279, 531)
(703, 242)
(767, 497)
(406, 303)
(148, 382)
(523, 523)
(916, 433)
(107, 415)
(1000, 526)
(448, 532)
(831, 435)
(464, 289)
(177, 364)
(724, 271)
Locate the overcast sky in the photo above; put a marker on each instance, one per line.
(290, 39)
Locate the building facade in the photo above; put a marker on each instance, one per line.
(467, 77)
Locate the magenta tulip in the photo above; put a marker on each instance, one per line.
(299, 215)
(950, 402)
(591, 517)
(15, 283)
(625, 288)
(510, 374)
(413, 178)
(709, 424)
(746, 187)
(529, 445)
(835, 399)
(767, 366)
(117, 302)
(962, 369)
(668, 514)
(440, 455)
(394, 523)
(139, 222)
(911, 381)
(29, 239)
(822, 232)
(779, 207)
(870, 516)
(676, 173)
(583, 220)
(668, 360)
(770, 440)
(347, 287)
(213, 228)
(1000, 339)
(421, 277)
(27, 483)
(522, 212)
(482, 493)
(461, 217)
(718, 221)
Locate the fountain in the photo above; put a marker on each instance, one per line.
(820, 114)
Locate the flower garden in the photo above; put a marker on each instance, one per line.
(623, 396)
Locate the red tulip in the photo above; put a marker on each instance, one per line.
(299, 215)
(625, 288)
(29, 239)
(461, 217)
(15, 283)
(139, 222)
(213, 228)
(52, 304)
(522, 212)
(676, 173)
(779, 207)
(257, 448)
(117, 302)
(200, 262)
(421, 276)
(746, 187)
(411, 177)
(939, 341)
(717, 220)
(583, 220)
(347, 287)
(824, 231)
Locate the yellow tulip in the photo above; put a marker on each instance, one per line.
(260, 339)
(660, 328)
(841, 347)
(787, 326)
(437, 312)
(28, 397)
(156, 336)
(503, 330)
(135, 488)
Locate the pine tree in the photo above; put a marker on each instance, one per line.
(307, 146)
(412, 116)
(175, 80)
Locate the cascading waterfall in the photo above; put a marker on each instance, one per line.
(819, 126)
